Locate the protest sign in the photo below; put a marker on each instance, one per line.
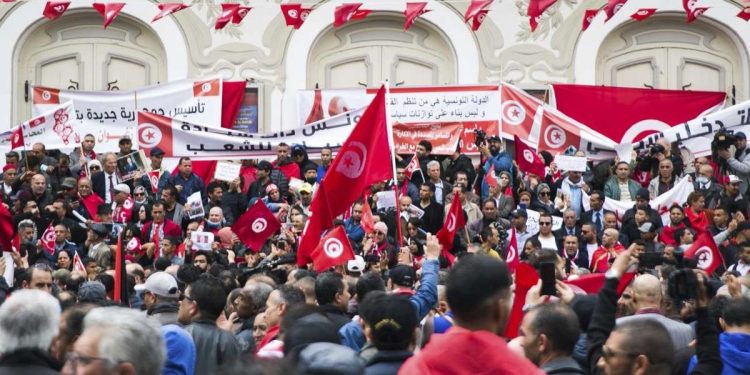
(532, 223)
(194, 206)
(111, 115)
(202, 241)
(386, 199)
(571, 163)
(227, 171)
(130, 165)
(443, 136)
(53, 128)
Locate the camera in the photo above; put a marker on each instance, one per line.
(683, 284)
(723, 139)
(656, 149)
(481, 137)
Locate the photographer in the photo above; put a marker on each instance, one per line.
(494, 155)
(739, 161)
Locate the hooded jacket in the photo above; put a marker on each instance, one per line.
(735, 354)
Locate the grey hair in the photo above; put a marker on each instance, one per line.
(128, 336)
(433, 162)
(259, 293)
(29, 319)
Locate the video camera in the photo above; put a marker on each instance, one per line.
(481, 137)
(723, 140)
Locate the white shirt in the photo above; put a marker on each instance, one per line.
(740, 267)
(109, 188)
(548, 242)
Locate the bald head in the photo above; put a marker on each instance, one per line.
(647, 291)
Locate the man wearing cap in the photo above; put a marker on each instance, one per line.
(265, 175)
(305, 197)
(156, 155)
(299, 155)
(81, 156)
(125, 145)
(739, 162)
(401, 280)
(160, 294)
(518, 220)
(642, 199)
(97, 248)
(731, 197)
(496, 157)
(9, 175)
(122, 207)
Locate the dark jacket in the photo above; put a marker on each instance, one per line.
(164, 312)
(562, 366)
(213, 345)
(335, 315)
(387, 362)
(28, 362)
(462, 163)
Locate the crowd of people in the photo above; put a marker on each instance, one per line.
(405, 304)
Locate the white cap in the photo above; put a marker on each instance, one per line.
(122, 188)
(356, 265)
(162, 284)
(733, 179)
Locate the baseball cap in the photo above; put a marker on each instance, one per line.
(100, 229)
(122, 188)
(647, 227)
(124, 140)
(642, 194)
(156, 151)
(92, 291)
(69, 182)
(298, 149)
(740, 135)
(162, 284)
(95, 163)
(733, 179)
(402, 275)
(306, 188)
(519, 213)
(356, 265)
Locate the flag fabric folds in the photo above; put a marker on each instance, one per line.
(255, 226)
(333, 249)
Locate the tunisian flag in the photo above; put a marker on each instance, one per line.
(362, 161)
(255, 226)
(48, 239)
(109, 11)
(294, 14)
(528, 161)
(167, 9)
(55, 8)
(453, 223)
(6, 229)
(333, 249)
(511, 254)
(413, 10)
(348, 11)
(557, 134)
(626, 115)
(518, 111)
(155, 131)
(535, 10)
(705, 252)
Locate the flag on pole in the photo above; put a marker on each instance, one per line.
(528, 161)
(511, 254)
(413, 10)
(255, 226)
(48, 240)
(55, 8)
(16, 138)
(78, 264)
(109, 11)
(367, 222)
(705, 252)
(361, 162)
(166, 9)
(454, 221)
(412, 167)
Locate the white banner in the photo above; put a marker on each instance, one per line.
(677, 195)
(113, 114)
(316, 105)
(54, 128)
(180, 138)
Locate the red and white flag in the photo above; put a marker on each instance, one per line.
(155, 131)
(45, 95)
(476, 21)
(333, 249)
(78, 264)
(536, 9)
(109, 11)
(240, 14)
(367, 222)
(475, 7)
(211, 87)
(316, 112)
(588, 17)
(744, 13)
(528, 160)
(511, 253)
(123, 214)
(454, 221)
(359, 164)
(519, 112)
(612, 7)
(134, 245)
(705, 252)
(412, 167)
(413, 10)
(227, 15)
(557, 134)
(55, 8)
(16, 138)
(692, 11)
(625, 114)
(255, 226)
(48, 239)
(92, 202)
(6, 229)
(346, 12)
(294, 14)
(490, 178)
(166, 9)
(643, 13)
(153, 177)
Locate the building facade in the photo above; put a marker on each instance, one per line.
(75, 52)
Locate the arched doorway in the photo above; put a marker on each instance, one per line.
(366, 53)
(74, 52)
(663, 52)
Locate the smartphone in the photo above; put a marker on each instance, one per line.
(547, 272)
(522, 206)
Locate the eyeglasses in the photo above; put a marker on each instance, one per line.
(94, 168)
(608, 353)
(544, 193)
(185, 297)
(139, 194)
(545, 223)
(379, 232)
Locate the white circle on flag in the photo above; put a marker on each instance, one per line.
(46, 95)
(242, 13)
(481, 16)
(643, 13)
(206, 87)
(528, 156)
(511, 256)
(513, 113)
(617, 7)
(704, 256)
(353, 161)
(259, 225)
(451, 222)
(149, 135)
(333, 247)
(304, 14)
(132, 244)
(49, 236)
(293, 13)
(554, 136)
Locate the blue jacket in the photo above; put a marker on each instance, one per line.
(502, 162)
(354, 231)
(735, 354)
(189, 186)
(423, 300)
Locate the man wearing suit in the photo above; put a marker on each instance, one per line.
(442, 187)
(104, 182)
(588, 242)
(596, 214)
(569, 228)
(575, 256)
(704, 183)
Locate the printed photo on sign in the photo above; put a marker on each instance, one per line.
(194, 206)
(247, 118)
(201, 240)
(130, 165)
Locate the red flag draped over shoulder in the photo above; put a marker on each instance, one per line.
(91, 202)
(362, 161)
